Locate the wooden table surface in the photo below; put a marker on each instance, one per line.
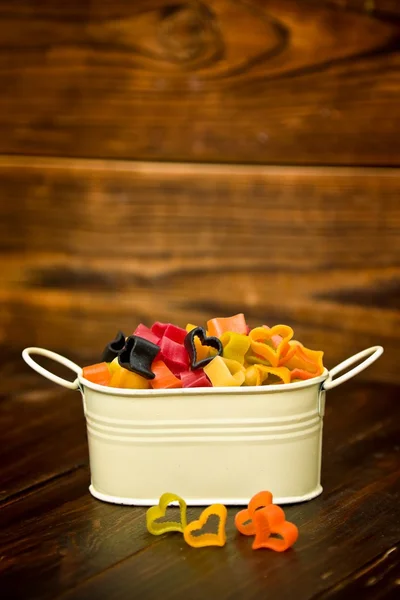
(58, 541)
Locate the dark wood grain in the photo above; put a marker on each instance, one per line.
(59, 540)
(88, 248)
(378, 579)
(382, 8)
(42, 428)
(278, 82)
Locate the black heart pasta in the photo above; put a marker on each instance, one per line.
(138, 355)
(113, 348)
(211, 341)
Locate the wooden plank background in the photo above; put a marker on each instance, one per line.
(275, 81)
(179, 161)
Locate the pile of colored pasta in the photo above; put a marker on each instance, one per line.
(226, 353)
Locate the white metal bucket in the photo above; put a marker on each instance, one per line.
(208, 445)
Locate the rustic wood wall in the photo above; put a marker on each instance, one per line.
(182, 160)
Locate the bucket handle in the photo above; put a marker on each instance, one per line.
(372, 353)
(72, 385)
